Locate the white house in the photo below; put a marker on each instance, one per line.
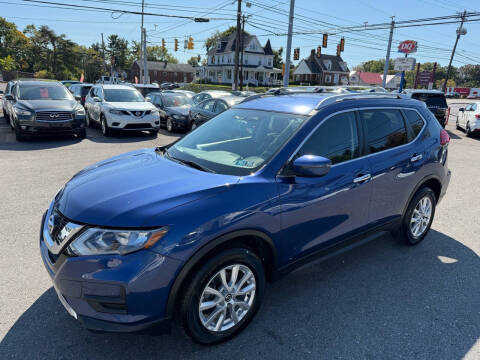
(257, 62)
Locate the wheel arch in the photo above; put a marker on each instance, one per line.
(255, 240)
(433, 182)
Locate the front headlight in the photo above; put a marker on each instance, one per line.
(97, 241)
(178, 117)
(23, 112)
(155, 111)
(79, 111)
(116, 112)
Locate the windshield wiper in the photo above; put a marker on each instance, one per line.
(192, 164)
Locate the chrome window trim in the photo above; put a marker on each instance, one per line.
(360, 109)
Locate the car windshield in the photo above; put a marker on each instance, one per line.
(437, 100)
(238, 141)
(177, 100)
(44, 92)
(123, 95)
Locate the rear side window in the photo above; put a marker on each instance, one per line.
(385, 129)
(221, 106)
(415, 121)
(208, 106)
(432, 100)
(336, 139)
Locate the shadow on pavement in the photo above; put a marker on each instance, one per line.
(381, 300)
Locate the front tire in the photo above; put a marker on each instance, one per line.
(82, 133)
(88, 123)
(106, 131)
(170, 127)
(223, 296)
(19, 136)
(418, 218)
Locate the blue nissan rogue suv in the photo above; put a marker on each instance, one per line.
(192, 231)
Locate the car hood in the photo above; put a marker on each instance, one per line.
(179, 110)
(133, 189)
(39, 105)
(135, 106)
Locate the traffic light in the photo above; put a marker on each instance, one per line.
(176, 45)
(198, 58)
(319, 51)
(324, 40)
(338, 49)
(296, 54)
(342, 44)
(190, 43)
(163, 44)
(283, 69)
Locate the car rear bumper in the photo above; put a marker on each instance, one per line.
(113, 293)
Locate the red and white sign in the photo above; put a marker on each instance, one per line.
(407, 46)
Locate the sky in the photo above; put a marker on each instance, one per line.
(268, 19)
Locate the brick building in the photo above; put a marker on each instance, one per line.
(162, 71)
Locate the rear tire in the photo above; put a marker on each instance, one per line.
(230, 308)
(457, 125)
(418, 218)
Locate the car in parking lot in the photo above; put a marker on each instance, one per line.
(468, 119)
(120, 107)
(435, 101)
(190, 232)
(209, 94)
(174, 109)
(80, 91)
(207, 109)
(188, 93)
(6, 103)
(146, 89)
(68, 83)
(44, 107)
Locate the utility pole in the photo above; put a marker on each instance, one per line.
(145, 66)
(286, 77)
(103, 55)
(142, 77)
(241, 57)
(460, 31)
(387, 57)
(237, 45)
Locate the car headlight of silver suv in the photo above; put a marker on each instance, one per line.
(98, 241)
(79, 111)
(115, 112)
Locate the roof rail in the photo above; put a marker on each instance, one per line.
(353, 96)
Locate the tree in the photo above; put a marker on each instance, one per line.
(7, 63)
(154, 53)
(277, 58)
(212, 40)
(193, 61)
(117, 51)
(375, 66)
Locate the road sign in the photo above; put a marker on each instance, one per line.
(407, 46)
(424, 77)
(404, 64)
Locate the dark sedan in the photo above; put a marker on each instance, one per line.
(207, 109)
(45, 107)
(174, 109)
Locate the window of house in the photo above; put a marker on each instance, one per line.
(223, 61)
(219, 45)
(212, 61)
(328, 64)
(328, 78)
(229, 74)
(336, 139)
(246, 60)
(259, 61)
(385, 129)
(269, 61)
(336, 78)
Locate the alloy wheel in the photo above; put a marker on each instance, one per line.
(224, 303)
(421, 215)
(169, 125)
(104, 126)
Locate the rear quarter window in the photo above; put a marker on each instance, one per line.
(415, 121)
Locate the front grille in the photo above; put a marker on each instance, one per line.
(58, 223)
(138, 126)
(54, 115)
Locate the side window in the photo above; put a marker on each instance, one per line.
(474, 107)
(208, 106)
(385, 129)
(158, 100)
(336, 139)
(469, 107)
(220, 107)
(415, 121)
(91, 93)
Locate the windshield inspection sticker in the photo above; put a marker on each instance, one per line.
(244, 163)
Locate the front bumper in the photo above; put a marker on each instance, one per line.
(115, 293)
(129, 122)
(69, 127)
(181, 123)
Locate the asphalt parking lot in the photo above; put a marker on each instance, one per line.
(382, 300)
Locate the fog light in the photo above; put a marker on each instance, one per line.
(157, 122)
(24, 127)
(115, 124)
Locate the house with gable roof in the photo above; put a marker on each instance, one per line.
(322, 70)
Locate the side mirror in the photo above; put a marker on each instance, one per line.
(148, 99)
(78, 97)
(97, 99)
(461, 109)
(311, 166)
(9, 96)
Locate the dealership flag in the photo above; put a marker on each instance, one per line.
(136, 80)
(82, 78)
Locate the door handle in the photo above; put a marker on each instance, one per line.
(362, 178)
(415, 158)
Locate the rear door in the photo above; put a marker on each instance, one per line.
(394, 161)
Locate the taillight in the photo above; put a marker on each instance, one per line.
(83, 98)
(477, 116)
(444, 137)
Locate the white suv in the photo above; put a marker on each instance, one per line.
(468, 118)
(120, 107)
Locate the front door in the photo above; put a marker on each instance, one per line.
(316, 212)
